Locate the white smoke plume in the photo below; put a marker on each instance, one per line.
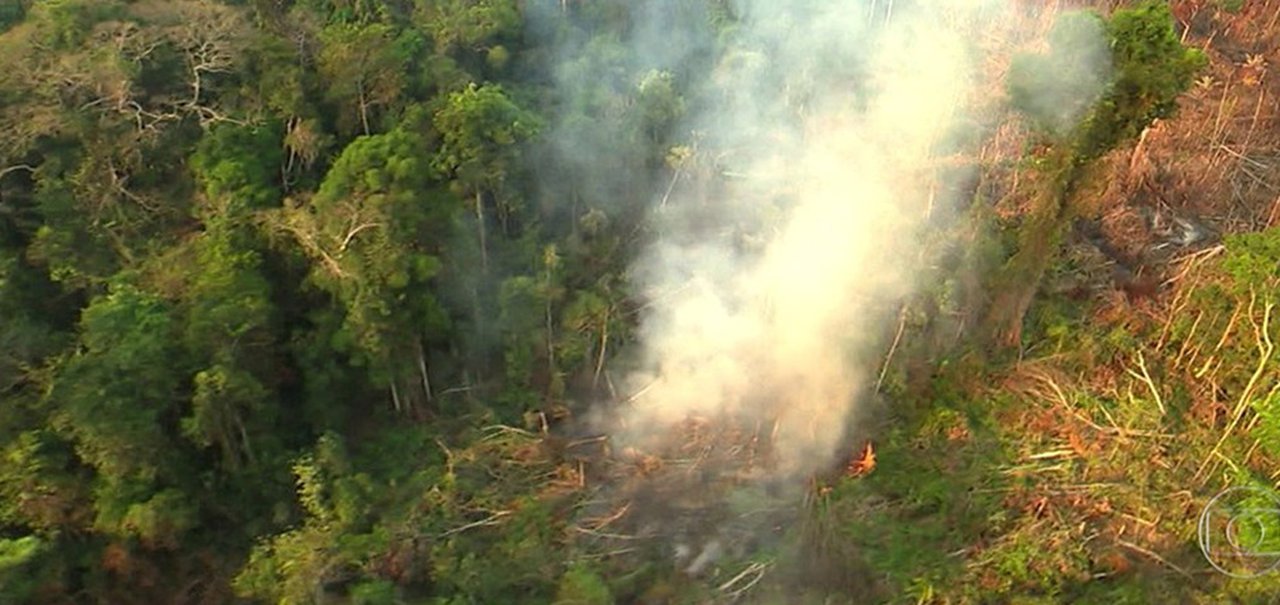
(766, 293)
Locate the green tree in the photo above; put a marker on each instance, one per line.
(228, 334)
(337, 539)
(1152, 68)
(374, 231)
(42, 489)
(481, 129)
(229, 315)
(16, 556)
(240, 166)
(471, 25)
(109, 397)
(362, 71)
(659, 106)
(1149, 68)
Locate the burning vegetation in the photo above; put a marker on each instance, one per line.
(673, 301)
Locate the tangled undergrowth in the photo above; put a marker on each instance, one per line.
(1079, 472)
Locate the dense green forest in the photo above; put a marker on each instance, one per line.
(311, 301)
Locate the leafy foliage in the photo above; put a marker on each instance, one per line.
(275, 276)
(108, 397)
(1104, 81)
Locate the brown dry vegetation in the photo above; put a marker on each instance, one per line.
(1084, 462)
(1218, 160)
(1103, 444)
(1114, 447)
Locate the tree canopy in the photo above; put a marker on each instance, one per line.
(310, 301)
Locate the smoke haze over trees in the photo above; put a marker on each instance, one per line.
(611, 301)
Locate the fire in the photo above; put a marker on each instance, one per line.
(863, 463)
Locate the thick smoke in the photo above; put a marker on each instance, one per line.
(770, 292)
(1059, 87)
(817, 144)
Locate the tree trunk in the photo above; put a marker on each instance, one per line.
(1040, 241)
(422, 367)
(244, 440)
(551, 347)
(604, 345)
(364, 109)
(484, 244)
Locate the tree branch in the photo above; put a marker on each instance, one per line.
(16, 167)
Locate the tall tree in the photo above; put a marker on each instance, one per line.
(481, 129)
(374, 231)
(112, 400)
(363, 72)
(109, 397)
(1149, 68)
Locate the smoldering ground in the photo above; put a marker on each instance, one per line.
(782, 240)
